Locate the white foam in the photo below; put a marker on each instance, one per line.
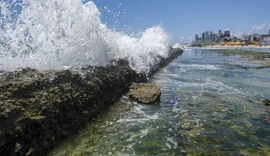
(183, 47)
(190, 67)
(177, 45)
(144, 133)
(152, 117)
(171, 140)
(168, 145)
(210, 83)
(202, 83)
(70, 33)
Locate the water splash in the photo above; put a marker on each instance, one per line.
(54, 34)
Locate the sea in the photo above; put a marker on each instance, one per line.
(208, 106)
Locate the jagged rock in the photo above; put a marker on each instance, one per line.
(266, 119)
(144, 92)
(38, 108)
(266, 102)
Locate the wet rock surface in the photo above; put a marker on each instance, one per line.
(266, 119)
(266, 102)
(38, 109)
(162, 62)
(144, 92)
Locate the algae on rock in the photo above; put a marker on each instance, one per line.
(38, 108)
(144, 93)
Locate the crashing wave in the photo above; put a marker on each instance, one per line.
(57, 34)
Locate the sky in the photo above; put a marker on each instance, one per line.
(182, 19)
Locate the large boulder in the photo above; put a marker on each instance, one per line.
(144, 92)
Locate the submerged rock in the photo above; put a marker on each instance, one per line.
(266, 119)
(266, 102)
(144, 92)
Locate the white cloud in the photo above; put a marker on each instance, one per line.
(185, 39)
(261, 29)
(264, 26)
(237, 34)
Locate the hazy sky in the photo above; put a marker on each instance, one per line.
(182, 19)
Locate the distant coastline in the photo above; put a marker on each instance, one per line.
(249, 48)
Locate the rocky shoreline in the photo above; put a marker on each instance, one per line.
(260, 58)
(37, 109)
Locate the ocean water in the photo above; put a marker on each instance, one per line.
(61, 34)
(207, 107)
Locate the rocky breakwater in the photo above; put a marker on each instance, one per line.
(162, 62)
(37, 109)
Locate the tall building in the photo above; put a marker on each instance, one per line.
(196, 38)
(269, 31)
(219, 32)
(207, 35)
(203, 36)
(227, 33)
(215, 37)
(218, 39)
(210, 36)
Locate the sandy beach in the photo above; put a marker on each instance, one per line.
(233, 47)
(249, 48)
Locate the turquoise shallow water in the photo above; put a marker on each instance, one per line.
(207, 107)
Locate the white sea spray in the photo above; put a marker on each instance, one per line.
(54, 34)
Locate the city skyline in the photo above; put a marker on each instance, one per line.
(210, 37)
(239, 35)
